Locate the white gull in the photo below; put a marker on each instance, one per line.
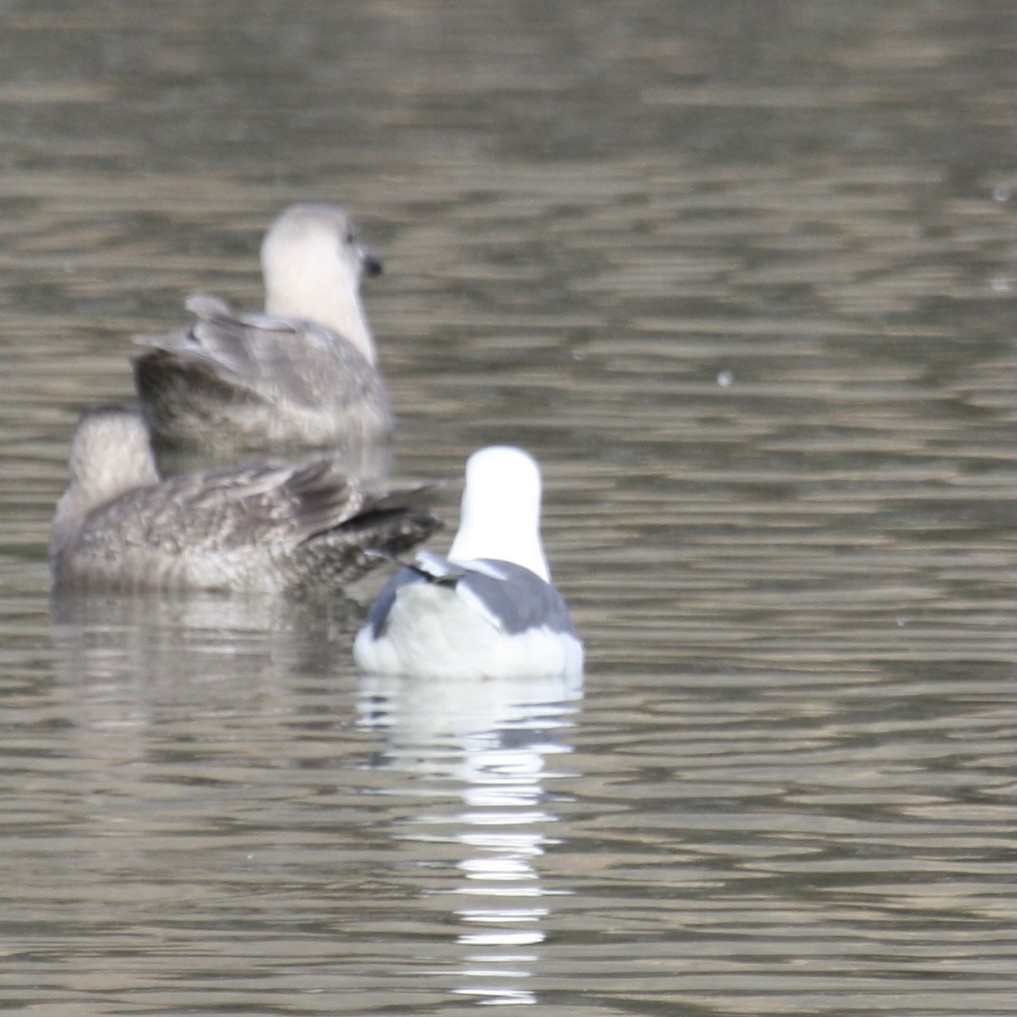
(488, 610)
(302, 375)
(284, 529)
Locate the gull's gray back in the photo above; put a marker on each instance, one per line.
(520, 601)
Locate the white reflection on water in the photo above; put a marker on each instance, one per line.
(494, 741)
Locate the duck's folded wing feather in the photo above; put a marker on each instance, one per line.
(259, 506)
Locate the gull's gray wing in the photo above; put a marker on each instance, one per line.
(257, 380)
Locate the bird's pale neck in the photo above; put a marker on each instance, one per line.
(122, 469)
(502, 533)
(325, 301)
(107, 461)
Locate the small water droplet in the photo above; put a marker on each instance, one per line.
(725, 378)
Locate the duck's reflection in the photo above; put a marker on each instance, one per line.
(131, 657)
(496, 740)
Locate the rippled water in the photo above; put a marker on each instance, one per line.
(742, 275)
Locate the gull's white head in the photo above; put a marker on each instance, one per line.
(500, 515)
(312, 264)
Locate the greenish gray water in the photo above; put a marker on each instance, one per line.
(742, 276)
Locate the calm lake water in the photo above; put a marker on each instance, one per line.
(743, 277)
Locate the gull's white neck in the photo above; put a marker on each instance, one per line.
(324, 298)
(110, 456)
(311, 275)
(500, 515)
